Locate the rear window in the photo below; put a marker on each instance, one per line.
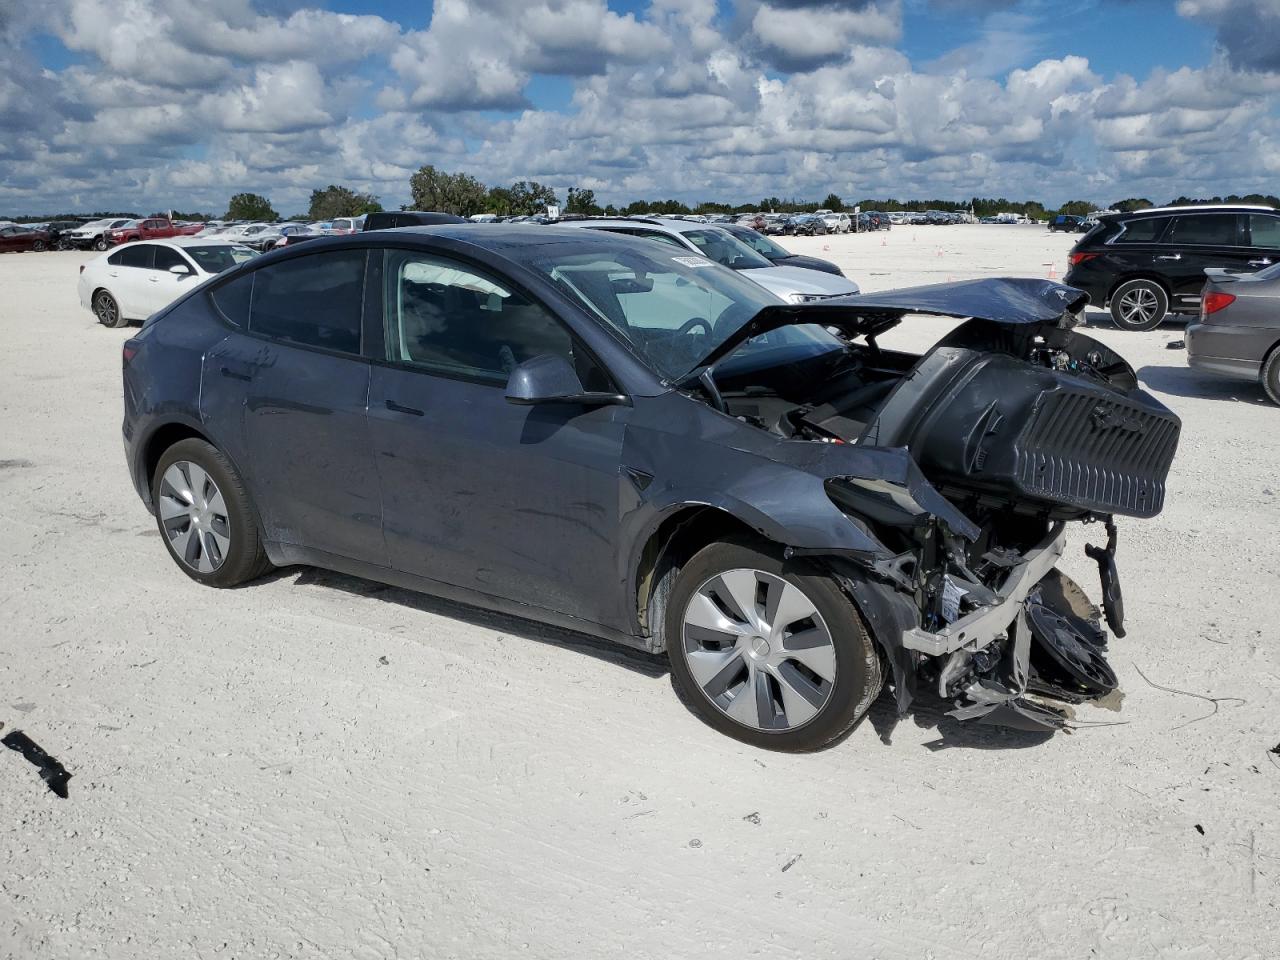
(1214, 229)
(316, 301)
(1143, 231)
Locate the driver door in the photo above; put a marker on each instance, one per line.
(518, 502)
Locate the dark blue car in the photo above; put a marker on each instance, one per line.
(599, 432)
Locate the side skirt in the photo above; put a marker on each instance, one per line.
(287, 554)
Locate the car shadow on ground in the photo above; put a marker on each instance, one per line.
(1186, 382)
(1095, 319)
(926, 711)
(635, 660)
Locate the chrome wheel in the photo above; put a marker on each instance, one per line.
(193, 516)
(1139, 306)
(759, 650)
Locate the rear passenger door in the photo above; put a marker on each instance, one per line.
(289, 388)
(1195, 241)
(129, 269)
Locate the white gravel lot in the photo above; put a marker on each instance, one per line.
(319, 767)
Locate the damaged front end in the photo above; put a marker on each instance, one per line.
(1012, 427)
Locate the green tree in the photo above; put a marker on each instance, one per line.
(335, 201)
(250, 206)
(529, 197)
(458, 193)
(1131, 204)
(582, 200)
(833, 202)
(1077, 208)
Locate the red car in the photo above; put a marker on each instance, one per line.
(154, 228)
(17, 238)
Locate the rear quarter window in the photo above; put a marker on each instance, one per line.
(232, 299)
(1264, 230)
(1143, 231)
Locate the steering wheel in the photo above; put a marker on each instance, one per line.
(688, 326)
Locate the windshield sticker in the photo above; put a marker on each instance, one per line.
(693, 261)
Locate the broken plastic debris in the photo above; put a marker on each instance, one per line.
(51, 771)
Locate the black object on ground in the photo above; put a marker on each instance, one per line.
(51, 771)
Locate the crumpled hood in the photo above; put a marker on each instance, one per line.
(1006, 300)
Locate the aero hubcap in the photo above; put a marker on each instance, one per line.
(759, 650)
(1138, 305)
(194, 516)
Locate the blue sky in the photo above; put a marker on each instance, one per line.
(179, 103)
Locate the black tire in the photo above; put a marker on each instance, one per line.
(858, 675)
(246, 559)
(39, 246)
(107, 310)
(1139, 305)
(101, 244)
(1271, 374)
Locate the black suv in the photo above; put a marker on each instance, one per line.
(1067, 223)
(1150, 262)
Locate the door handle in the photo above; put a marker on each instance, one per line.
(154, 279)
(1260, 263)
(1176, 256)
(400, 408)
(239, 374)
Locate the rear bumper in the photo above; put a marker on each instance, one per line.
(1095, 286)
(1228, 351)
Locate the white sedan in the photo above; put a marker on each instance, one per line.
(135, 280)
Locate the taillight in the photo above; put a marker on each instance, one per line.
(130, 350)
(1215, 301)
(1079, 258)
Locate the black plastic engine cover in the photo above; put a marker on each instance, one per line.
(992, 422)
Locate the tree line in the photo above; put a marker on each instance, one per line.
(464, 195)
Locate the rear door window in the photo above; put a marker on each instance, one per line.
(1205, 229)
(1143, 231)
(1264, 230)
(139, 255)
(315, 300)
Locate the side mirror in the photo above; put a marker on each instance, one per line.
(179, 270)
(549, 379)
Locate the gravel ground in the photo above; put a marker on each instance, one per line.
(316, 766)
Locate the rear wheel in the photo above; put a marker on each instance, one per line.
(1271, 375)
(205, 517)
(1139, 305)
(107, 310)
(768, 652)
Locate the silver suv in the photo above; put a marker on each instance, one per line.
(792, 284)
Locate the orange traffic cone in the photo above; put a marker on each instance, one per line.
(1052, 274)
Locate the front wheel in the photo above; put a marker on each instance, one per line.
(1139, 305)
(769, 652)
(205, 516)
(39, 246)
(101, 244)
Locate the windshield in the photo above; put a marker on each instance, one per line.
(673, 310)
(723, 247)
(215, 259)
(762, 245)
